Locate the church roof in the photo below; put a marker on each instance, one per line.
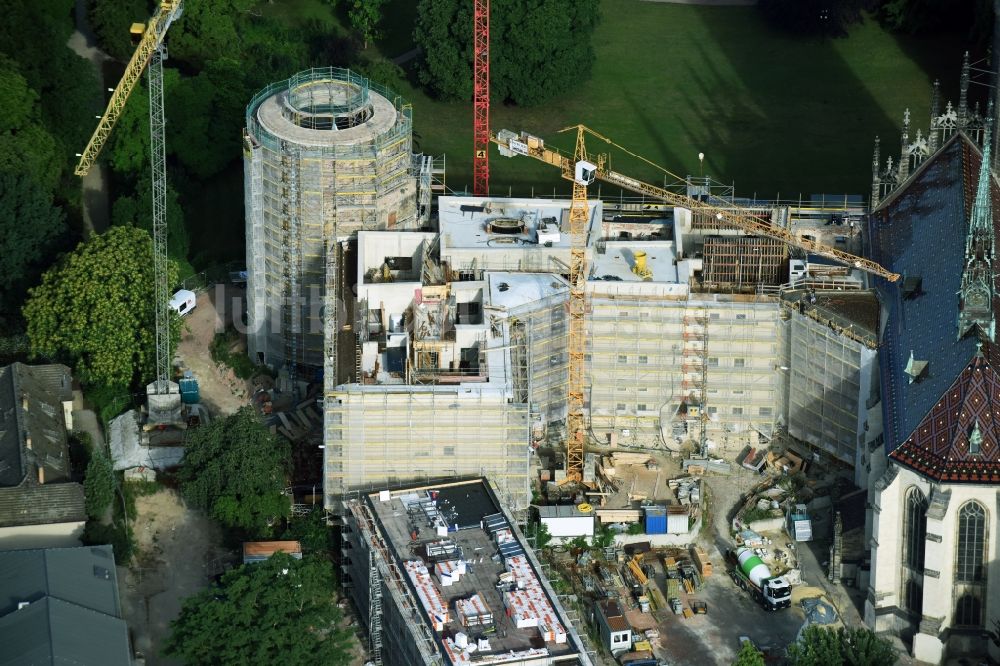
(958, 440)
(920, 232)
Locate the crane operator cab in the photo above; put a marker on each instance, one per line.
(585, 172)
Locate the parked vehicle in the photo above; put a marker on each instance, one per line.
(183, 302)
(750, 573)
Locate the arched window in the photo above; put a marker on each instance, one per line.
(970, 569)
(914, 545)
(915, 530)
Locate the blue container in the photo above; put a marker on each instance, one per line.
(189, 391)
(656, 520)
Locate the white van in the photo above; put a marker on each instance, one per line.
(183, 302)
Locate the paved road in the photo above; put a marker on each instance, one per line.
(95, 194)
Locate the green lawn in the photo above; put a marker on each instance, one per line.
(771, 113)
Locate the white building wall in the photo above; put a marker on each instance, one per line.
(55, 535)
(935, 637)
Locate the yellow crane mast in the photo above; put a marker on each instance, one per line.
(582, 174)
(512, 143)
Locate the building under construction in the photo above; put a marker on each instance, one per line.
(462, 359)
(326, 154)
(441, 575)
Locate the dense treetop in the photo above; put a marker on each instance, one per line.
(537, 50)
(94, 309)
(235, 470)
(280, 611)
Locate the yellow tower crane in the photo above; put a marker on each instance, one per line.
(149, 54)
(511, 143)
(581, 171)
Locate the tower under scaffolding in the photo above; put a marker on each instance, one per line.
(326, 154)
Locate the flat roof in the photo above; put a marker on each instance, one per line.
(618, 258)
(448, 540)
(523, 288)
(463, 221)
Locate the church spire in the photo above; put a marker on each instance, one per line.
(981, 222)
(977, 292)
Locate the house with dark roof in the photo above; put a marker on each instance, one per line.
(934, 488)
(61, 606)
(40, 506)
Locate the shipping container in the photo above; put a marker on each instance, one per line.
(656, 520)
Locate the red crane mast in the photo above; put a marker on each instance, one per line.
(481, 98)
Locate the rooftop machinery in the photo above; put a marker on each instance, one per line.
(149, 53)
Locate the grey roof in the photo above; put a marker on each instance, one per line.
(52, 631)
(920, 232)
(128, 451)
(562, 511)
(32, 504)
(84, 576)
(31, 400)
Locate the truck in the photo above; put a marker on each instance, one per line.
(750, 573)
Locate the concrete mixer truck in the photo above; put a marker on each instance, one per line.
(749, 572)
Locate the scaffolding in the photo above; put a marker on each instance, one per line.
(327, 153)
(539, 361)
(698, 387)
(374, 609)
(830, 377)
(377, 436)
(743, 262)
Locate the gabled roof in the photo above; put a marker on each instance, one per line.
(52, 631)
(920, 231)
(71, 612)
(85, 576)
(958, 440)
(31, 398)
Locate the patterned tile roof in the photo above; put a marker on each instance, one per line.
(958, 440)
(920, 232)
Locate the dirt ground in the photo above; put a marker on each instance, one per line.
(222, 392)
(177, 552)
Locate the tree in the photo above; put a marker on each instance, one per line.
(25, 145)
(537, 50)
(749, 656)
(863, 647)
(94, 310)
(137, 211)
(829, 18)
(603, 538)
(365, 16)
(281, 610)
(110, 21)
(822, 646)
(98, 485)
(311, 531)
(234, 469)
(30, 224)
